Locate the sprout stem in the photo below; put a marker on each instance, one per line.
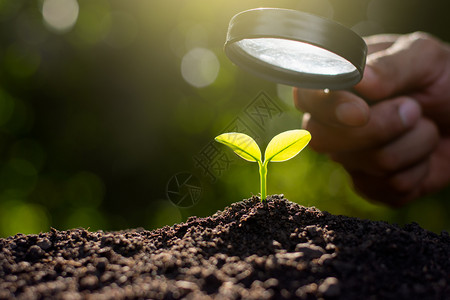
(263, 180)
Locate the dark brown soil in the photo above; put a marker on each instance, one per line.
(250, 250)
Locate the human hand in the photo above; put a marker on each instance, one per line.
(398, 148)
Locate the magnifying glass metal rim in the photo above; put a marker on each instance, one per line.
(297, 26)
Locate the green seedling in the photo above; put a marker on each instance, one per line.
(282, 147)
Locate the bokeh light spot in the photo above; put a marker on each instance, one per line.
(21, 62)
(200, 67)
(17, 217)
(60, 15)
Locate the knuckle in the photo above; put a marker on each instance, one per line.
(382, 65)
(420, 36)
(427, 44)
(383, 84)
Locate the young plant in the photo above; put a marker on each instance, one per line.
(282, 147)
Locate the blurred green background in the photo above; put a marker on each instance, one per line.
(103, 104)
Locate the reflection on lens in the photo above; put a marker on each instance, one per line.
(296, 56)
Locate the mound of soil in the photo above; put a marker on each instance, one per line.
(250, 250)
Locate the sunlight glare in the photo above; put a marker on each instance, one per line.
(296, 56)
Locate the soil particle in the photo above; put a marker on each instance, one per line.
(89, 282)
(329, 287)
(309, 250)
(250, 250)
(35, 252)
(44, 244)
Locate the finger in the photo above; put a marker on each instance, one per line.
(338, 108)
(412, 62)
(414, 146)
(380, 42)
(388, 120)
(395, 190)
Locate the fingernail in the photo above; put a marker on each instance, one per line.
(351, 114)
(409, 112)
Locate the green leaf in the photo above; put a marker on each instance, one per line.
(242, 144)
(286, 145)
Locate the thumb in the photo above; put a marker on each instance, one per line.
(414, 61)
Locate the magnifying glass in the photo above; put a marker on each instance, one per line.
(296, 48)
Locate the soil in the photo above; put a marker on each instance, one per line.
(250, 250)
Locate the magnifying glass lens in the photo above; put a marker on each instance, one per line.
(296, 56)
(296, 48)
